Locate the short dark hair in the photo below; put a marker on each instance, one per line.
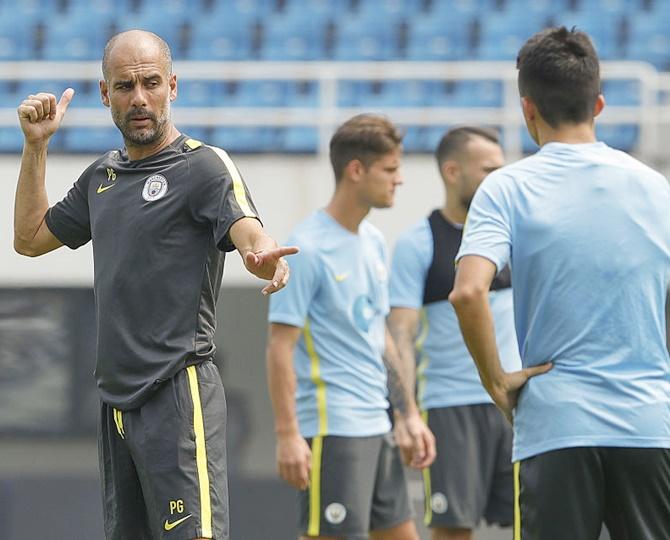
(560, 72)
(365, 137)
(454, 140)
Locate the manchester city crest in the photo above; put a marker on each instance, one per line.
(155, 188)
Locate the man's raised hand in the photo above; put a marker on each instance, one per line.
(40, 115)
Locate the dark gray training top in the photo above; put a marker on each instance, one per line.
(160, 229)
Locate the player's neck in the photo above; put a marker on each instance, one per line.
(347, 211)
(137, 152)
(567, 133)
(454, 212)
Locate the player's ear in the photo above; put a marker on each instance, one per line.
(528, 108)
(450, 169)
(599, 105)
(173, 87)
(104, 92)
(354, 170)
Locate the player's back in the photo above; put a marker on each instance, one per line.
(591, 265)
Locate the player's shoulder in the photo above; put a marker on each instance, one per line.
(310, 233)
(625, 160)
(418, 234)
(206, 157)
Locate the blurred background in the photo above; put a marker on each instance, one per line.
(267, 80)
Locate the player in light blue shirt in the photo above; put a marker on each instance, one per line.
(586, 230)
(471, 478)
(329, 356)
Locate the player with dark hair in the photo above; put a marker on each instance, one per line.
(587, 230)
(161, 213)
(330, 355)
(471, 477)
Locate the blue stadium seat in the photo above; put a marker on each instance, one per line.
(77, 36)
(503, 34)
(197, 93)
(485, 93)
(298, 140)
(261, 94)
(96, 140)
(222, 37)
(414, 140)
(363, 37)
(17, 41)
(604, 29)
(302, 94)
(245, 139)
(622, 92)
(439, 38)
(291, 37)
(620, 136)
(199, 133)
(107, 9)
(649, 39)
(11, 139)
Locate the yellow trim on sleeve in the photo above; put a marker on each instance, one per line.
(315, 373)
(238, 185)
(200, 454)
(517, 504)
(193, 144)
(314, 525)
(427, 488)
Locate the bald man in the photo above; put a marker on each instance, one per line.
(161, 212)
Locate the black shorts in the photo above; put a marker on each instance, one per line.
(357, 484)
(163, 465)
(571, 492)
(471, 477)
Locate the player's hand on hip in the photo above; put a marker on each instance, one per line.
(415, 440)
(40, 115)
(270, 264)
(294, 460)
(506, 395)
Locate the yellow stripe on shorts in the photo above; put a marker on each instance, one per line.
(200, 454)
(427, 488)
(314, 524)
(517, 505)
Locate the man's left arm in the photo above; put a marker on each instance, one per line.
(470, 298)
(415, 440)
(260, 253)
(667, 321)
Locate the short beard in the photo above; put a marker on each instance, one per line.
(142, 137)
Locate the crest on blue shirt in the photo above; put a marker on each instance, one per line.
(364, 312)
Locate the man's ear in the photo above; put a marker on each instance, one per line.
(599, 105)
(104, 92)
(450, 169)
(173, 87)
(354, 170)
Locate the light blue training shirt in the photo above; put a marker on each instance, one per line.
(587, 232)
(338, 295)
(446, 373)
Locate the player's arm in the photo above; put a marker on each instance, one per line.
(39, 116)
(415, 440)
(403, 323)
(293, 452)
(470, 298)
(260, 253)
(667, 321)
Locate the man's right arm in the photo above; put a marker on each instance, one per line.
(40, 116)
(403, 323)
(293, 452)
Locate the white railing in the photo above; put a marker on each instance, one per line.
(649, 115)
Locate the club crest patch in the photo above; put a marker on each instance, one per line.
(155, 188)
(335, 513)
(438, 503)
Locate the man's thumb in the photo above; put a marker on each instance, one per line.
(65, 100)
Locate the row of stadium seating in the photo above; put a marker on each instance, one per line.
(322, 30)
(291, 140)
